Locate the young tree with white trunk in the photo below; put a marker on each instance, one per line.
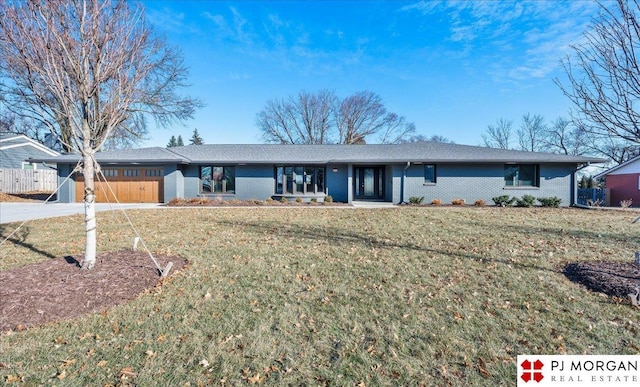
(88, 70)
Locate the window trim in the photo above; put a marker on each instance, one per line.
(282, 182)
(536, 182)
(224, 174)
(435, 174)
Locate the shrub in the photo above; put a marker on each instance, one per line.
(199, 201)
(594, 203)
(416, 200)
(328, 199)
(626, 203)
(176, 202)
(314, 200)
(269, 200)
(553, 201)
(480, 203)
(503, 200)
(298, 200)
(526, 201)
(283, 200)
(436, 202)
(458, 202)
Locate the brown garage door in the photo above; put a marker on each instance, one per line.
(130, 185)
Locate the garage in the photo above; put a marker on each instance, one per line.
(130, 185)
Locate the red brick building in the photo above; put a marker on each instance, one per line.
(623, 183)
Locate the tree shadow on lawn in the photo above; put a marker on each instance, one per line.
(615, 279)
(313, 234)
(19, 237)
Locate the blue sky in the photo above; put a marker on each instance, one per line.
(450, 67)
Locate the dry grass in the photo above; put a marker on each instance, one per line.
(34, 196)
(412, 295)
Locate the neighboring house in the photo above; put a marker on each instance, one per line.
(623, 182)
(390, 173)
(17, 149)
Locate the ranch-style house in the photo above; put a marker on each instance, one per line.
(380, 172)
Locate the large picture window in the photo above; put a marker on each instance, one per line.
(299, 180)
(217, 179)
(521, 175)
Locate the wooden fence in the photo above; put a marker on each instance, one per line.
(16, 181)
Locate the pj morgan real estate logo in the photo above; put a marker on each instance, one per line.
(578, 370)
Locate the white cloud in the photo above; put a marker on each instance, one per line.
(532, 35)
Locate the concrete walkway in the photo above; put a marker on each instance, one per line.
(21, 211)
(366, 204)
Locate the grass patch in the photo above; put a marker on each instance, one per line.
(408, 295)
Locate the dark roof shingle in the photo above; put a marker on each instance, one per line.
(424, 151)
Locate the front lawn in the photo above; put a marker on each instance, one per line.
(335, 296)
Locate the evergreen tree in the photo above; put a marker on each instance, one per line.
(196, 139)
(180, 142)
(172, 142)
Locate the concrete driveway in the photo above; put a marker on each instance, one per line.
(21, 211)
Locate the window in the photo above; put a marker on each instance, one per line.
(110, 172)
(291, 179)
(429, 173)
(521, 175)
(153, 172)
(131, 172)
(217, 179)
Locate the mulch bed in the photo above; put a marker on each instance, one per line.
(57, 289)
(616, 279)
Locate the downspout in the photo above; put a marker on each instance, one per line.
(402, 184)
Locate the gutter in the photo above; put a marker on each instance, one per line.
(404, 178)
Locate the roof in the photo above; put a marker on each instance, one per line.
(617, 167)
(17, 148)
(423, 151)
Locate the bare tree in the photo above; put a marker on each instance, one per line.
(498, 136)
(363, 114)
(565, 138)
(322, 118)
(532, 133)
(604, 76)
(422, 137)
(304, 119)
(87, 69)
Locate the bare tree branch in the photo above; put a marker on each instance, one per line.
(604, 76)
(322, 118)
(88, 70)
(498, 136)
(532, 133)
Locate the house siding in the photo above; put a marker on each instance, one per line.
(624, 187)
(339, 184)
(15, 158)
(66, 190)
(255, 182)
(479, 181)
(173, 183)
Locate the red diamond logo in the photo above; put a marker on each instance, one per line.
(532, 371)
